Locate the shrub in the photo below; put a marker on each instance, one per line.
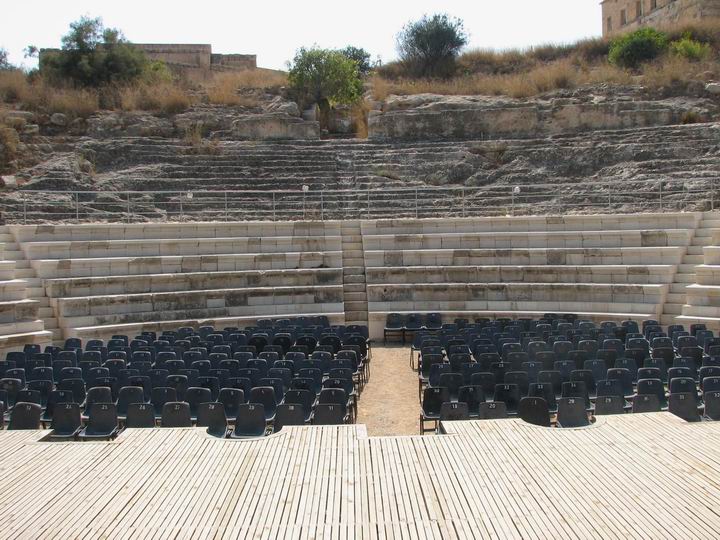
(635, 48)
(361, 58)
(9, 141)
(92, 55)
(690, 49)
(324, 77)
(14, 86)
(164, 98)
(4, 62)
(429, 47)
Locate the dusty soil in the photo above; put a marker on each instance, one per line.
(389, 404)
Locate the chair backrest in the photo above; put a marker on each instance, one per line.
(572, 413)
(534, 410)
(453, 411)
(250, 421)
(492, 410)
(610, 404)
(645, 403)
(288, 414)
(433, 398)
(176, 414)
(102, 420)
(66, 419)
(712, 405)
(212, 416)
(140, 415)
(684, 406)
(328, 414)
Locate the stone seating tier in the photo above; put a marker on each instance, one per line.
(525, 256)
(178, 264)
(617, 274)
(190, 281)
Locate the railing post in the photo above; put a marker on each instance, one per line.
(712, 194)
(609, 196)
(128, 207)
(322, 206)
(273, 203)
(463, 202)
(24, 209)
(512, 201)
(416, 203)
(227, 218)
(367, 206)
(181, 206)
(77, 206)
(661, 195)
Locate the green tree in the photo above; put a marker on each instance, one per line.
(4, 62)
(324, 77)
(631, 50)
(361, 58)
(93, 55)
(429, 47)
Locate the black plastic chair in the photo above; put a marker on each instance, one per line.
(712, 405)
(606, 405)
(66, 421)
(265, 396)
(328, 414)
(508, 394)
(572, 413)
(160, 396)
(176, 414)
(684, 406)
(534, 410)
(126, 396)
(231, 399)
(140, 415)
(102, 422)
(288, 414)
(250, 421)
(454, 411)
(212, 416)
(645, 403)
(194, 396)
(25, 416)
(492, 410)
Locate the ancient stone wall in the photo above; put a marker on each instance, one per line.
(188, 54)
(623, 15)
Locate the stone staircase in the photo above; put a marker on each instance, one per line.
(685, 275)
(34, 321)
(354, 286)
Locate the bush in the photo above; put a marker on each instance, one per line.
(14, 86)
(324, 77)
(4, 62)
(361, 58)
(631, 50)
(690, 49)
(429, 47)
(94, 56)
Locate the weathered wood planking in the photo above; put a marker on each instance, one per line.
(628, 476)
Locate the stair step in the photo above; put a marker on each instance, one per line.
(349, 263)
(24, 273)
(356, 316)
(686, 268)
(353, 238)
(353, 270)
(673, 309)
(678, 288)
(360, 278)
(704, 233)
(676, 298)
(355, 297)
(354, 288)
(709, 224)
(356, 306)
(17, 341)
(693, 259)
(685, 278)
(695, 250)
(668, 319)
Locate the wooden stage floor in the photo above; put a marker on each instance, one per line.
(631, 476)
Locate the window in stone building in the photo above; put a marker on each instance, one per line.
(653, 4)
(638, 9)
(609, 24)
(623, 17)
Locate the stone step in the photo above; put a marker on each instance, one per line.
(672, 309)
(358, 316)
(676, 298)
(349, 279)
(695, 250)
(353, 270)
(355, 297)
(666, 320)
(693, 259)
(12, 342)
(6, 238)
(709, 223)
(24, 273)
(678, 288)
(46, 312)
(356, 306)
(686, 268)
(351, 246)
(354, 262)
(685, 278)
(704, 233)
(352, 238)
(354, 288)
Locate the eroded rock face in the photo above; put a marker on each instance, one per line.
(274, 126)
(429, 116)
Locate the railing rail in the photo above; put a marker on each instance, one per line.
(28, 206)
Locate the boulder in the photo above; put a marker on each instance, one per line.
(31, 130)
(713, 88)
(59, 120)
(274, 126)
(280, 105)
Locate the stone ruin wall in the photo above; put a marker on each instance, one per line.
(624, 15)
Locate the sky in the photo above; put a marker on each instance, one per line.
(275, 30)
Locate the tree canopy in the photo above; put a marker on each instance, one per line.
(428, 47)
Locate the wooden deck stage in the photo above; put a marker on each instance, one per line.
(631, 476)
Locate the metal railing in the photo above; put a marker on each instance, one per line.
(646, 195)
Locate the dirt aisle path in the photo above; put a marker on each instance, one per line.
(389, 404)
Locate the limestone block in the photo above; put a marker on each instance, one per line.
(274, 126)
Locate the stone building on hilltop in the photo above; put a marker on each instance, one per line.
(622, 15)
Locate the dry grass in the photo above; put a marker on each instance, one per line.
(527, 73)
(14, 86)
(226, 88)
(9, 141)
(165, 98)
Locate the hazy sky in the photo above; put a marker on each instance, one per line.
(274, 30)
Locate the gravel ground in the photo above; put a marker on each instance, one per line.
(389, 404)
